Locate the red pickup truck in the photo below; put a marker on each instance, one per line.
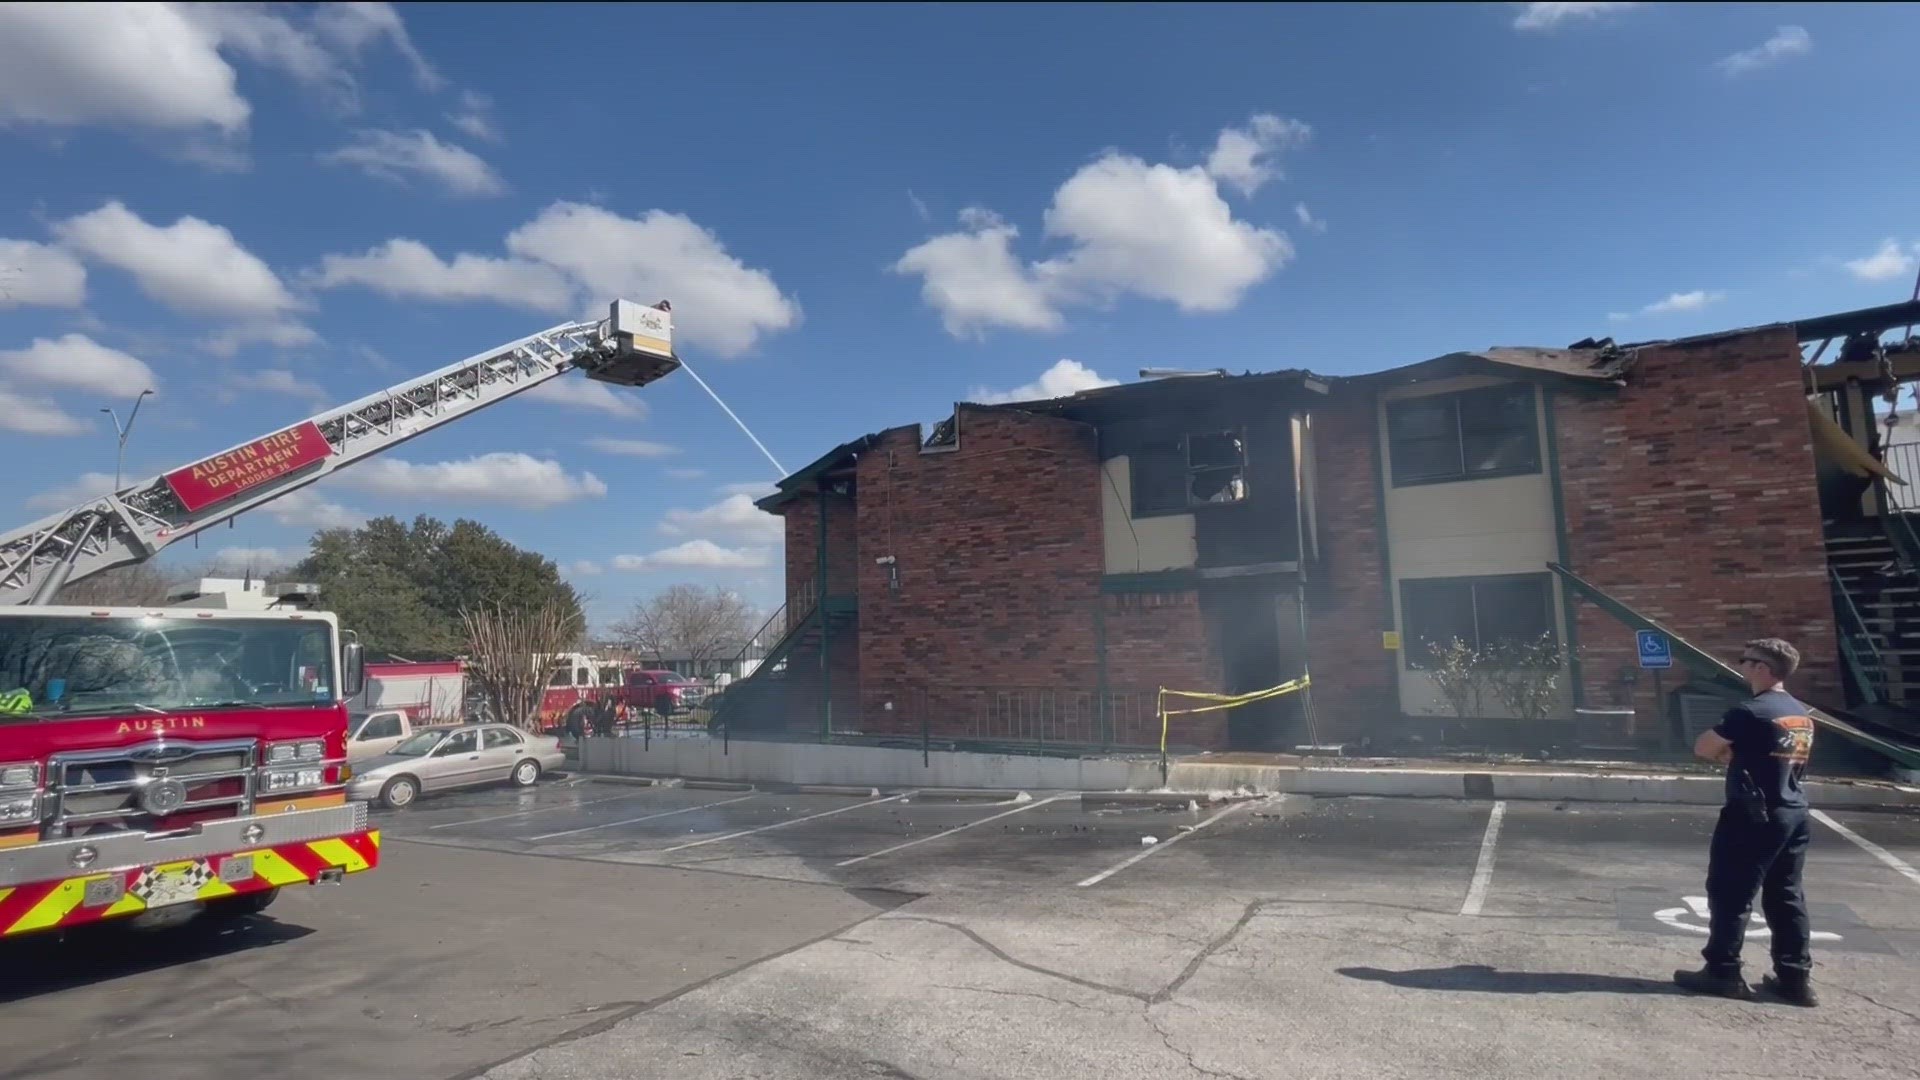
(664, 692)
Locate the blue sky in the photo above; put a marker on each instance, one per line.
(864, 213)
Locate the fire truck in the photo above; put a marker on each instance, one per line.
(158, 764)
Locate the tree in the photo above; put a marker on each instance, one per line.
(687, 622)
(507, 649)
(140, 584)
(406, 588)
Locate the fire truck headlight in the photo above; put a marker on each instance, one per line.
(284, 753)
(18, 810)
(294, 779)
(24, 775)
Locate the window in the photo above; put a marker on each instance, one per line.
(562, 676)
(583, 676)
(383, 726)
(1484, 612)
(460, 742)
(1492, 431)
(493, 738)
(1201, 469)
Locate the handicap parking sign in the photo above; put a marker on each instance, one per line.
(1655, 650)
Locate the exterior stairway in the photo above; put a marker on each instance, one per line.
(1876, 596)
(782, 695)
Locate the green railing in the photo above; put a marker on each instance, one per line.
(1863, 658)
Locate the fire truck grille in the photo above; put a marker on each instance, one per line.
(154, 787)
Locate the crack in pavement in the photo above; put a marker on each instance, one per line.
(1166, 1039)
(1005, 957)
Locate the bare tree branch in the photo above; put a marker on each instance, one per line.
(686, 622)
(508, 652)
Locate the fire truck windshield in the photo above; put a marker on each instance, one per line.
(55, 667)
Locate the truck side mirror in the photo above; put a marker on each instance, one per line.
(353, 665)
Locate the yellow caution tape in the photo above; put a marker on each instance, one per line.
(1226, 701)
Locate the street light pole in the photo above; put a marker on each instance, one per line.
(120, 456)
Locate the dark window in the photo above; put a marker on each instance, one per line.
(384, 726)
(1492, 431)
(461, 742)
(1486, 613)
(497, 737)
(1159, 480)
(1202, 469)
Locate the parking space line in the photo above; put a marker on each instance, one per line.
(781, 824)
(643, 817)
(1483, 870)
(1167, 843)
(949, 832)
(538, 810)
(1899, 865)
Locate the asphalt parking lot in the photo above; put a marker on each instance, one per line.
(587, 929)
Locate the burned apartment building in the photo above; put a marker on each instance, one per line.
(1034, 573)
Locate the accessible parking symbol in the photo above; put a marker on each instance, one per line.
(1684, 914)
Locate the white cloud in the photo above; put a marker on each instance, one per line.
(753, 489)
(212, 156)
(718, 301)
(1891, 261)
(395, 155)
(1130, 227)
(1686, 301)
(86, 486)
(306, 509)
(475, 118)
(1062, 379)
(192, 266)
(77, 362)
(403, 267)
(695, 555)
(974, 280)
(1306, 219)
(1242, 157)
(576, 392)
(120, 64)
(1786, 41)
(1548, 16)
(271, 381)
(584, 568)
(280, 335)
(639, 448)
(259, 560)
(505, 477)
(25, 414)
(354, 26)
(39, 275)
(734, 515)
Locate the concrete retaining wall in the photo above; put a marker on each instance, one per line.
(864, 766)
(871, 767)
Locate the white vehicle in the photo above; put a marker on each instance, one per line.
(370, 734)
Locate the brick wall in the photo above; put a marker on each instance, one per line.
(803, 543)
(1354, 684)
(1691, 497)
(1155, 640)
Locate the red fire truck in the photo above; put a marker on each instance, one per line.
(160, 763)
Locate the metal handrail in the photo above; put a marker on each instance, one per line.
(1899, 531)
(1853, 623)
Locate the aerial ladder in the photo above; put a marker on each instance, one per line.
(632, 346)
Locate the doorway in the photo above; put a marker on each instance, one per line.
(1245, 621)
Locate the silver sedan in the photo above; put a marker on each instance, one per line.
(443, 758)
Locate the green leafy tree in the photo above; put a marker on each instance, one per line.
(403, 587)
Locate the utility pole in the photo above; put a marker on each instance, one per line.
(120, 456)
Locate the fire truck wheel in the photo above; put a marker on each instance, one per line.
(400, 791)
(526, 773)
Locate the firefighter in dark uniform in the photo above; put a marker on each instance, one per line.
(1760, 841)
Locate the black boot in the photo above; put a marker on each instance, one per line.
(1791, 987)
(1724, 982)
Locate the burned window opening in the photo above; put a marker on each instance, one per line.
(945, 435)
(1197, 469)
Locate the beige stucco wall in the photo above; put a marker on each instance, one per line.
(1472, 528)
(1164, 542)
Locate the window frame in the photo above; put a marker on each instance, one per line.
(1454, 399)
(1177, 453)
(1412, 653)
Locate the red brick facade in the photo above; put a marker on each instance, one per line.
(1690, 496)
(1354, 679)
